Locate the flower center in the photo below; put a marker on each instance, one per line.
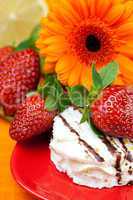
(93, 43)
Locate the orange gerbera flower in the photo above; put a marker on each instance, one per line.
(77, 33)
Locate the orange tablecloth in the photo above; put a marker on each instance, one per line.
(9, 190)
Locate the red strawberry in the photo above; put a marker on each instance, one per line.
(5, 52)
(112, 112)
(31, 119)
(19, 74)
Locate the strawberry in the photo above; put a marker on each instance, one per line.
(5, 52)
(32, 119)
(112, 112)
(19, 74)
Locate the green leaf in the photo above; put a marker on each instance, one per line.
(97, 80)
(49, 88)
(35, 33)
(23, 45)
(96, 131)
(78, 95)
(30, 41)
(64, 102)
(50, 103)
(109, 73)
(42, 64)
(58, 88)
(85, 117)
(50, 78)
(54, 93)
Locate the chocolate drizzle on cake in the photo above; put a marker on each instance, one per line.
(89, 148)
(128, 154)
(130, 171)
(114, 150)
(130, 183)
(118, 167)
(116, 147)
(109, 145)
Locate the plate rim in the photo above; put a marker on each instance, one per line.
(21, 183)
(26, 188)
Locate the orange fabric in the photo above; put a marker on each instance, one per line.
(9, 190)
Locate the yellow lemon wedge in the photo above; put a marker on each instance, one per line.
(18, 18)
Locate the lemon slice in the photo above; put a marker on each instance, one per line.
(18, 18)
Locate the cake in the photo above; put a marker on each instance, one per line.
(89, 159)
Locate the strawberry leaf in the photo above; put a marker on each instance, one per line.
(51, 103)
(78, 95)
(49, 87)
(42, 63)
(24, 44)
(109, 73)
(85, 116)
(55, 95)
(96, 131)
(97, 80)
(35, 34)
(58, 90)
(30, 41)
(64, 102)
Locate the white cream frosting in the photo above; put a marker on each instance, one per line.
(86, 158)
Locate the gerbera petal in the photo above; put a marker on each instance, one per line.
(69, 6)
(49, 67)
(65, 64)
(85, 78)
(84, 8)
(74, 78)
(63, 78)
(81, 8)
(92, 6)
(126, 67)
(52, 58)
(64, 15)
(114, 14)
(102, 7)
(119, 80)
(127, 50)
(54, 40)
(51, 3)
(54, 27)
(125, 30)
(58, 48)
(45, 53)
(128, 10)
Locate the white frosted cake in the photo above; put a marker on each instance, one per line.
(88, 159)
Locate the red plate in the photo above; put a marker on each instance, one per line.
(33, 170)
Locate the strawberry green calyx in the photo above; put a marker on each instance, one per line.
(54, 93)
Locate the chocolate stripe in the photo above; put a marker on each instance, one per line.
(118, 167)
(130, 183)
(128, 154)
(109, 145)
(123, 144)
(89, 148)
